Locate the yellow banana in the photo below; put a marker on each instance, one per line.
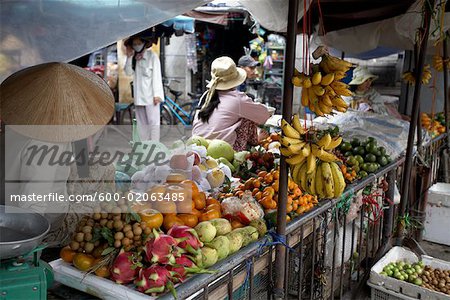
(315, 108)
(316, 78)
(325, 108)
(318, 90)
(327, 180)
(340, 88)
(337, 64)
(306, 150)
(311, 164)
(311, 182)
(288, 130)
(340, 109)
(338, 180)
(334, 143)
(305, 97)
(324, 141)
(338, 101)
(297, 125)
(296, 159)
(327, 79)
(326, 100)
(287, 141)
(329, 91)
(320, 183)
(301, 177)
(286, 152)
(339, 75)
(322, 154)
(312, 96)
(296, 148)
(294, 171)
(307, 83)
(297, 81)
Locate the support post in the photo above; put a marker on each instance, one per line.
(389, 213)
(429, 6)
(446, 98)
(289, 64)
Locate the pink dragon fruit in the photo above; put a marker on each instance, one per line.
(155, 279)
(187, 238)
(183, 266)
(125, 267)
(162, 248)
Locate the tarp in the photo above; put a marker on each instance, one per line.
(34, 32)
(395, 33)
(271, 14)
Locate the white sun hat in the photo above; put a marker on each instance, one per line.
(224, 76)
(360, 75)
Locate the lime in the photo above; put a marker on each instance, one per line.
(371, 148)
(370, 158)
(359, 150)
(418, 281)
(389, 272)
(371, 140)
(382, 160)
(355, 142)
(382, 150)
(348, 153)
(356, 168)
(383, 273)
(360, 159)
(389, 159)
(352, 161)
(346, 146)
(371, 169)
(376, 152)
(363, 174)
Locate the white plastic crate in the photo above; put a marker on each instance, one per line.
(94, 285)
(398, 288)
(380, 293)
(437, 220)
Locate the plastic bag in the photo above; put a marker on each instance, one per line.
(245, 209)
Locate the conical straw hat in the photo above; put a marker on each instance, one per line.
(70, 99)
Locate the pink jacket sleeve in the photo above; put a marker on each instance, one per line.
(253, 111)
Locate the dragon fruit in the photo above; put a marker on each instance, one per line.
(162, 248)
(187, 238)
(155, 279)
(184, 265)
(125, 267)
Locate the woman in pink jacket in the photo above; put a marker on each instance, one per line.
(226, 113)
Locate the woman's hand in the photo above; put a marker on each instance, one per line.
(156, 100)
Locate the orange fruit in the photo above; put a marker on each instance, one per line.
(103, 272)
(67, 254)
(190, 220)
(152, 218)
(83, 262)
(171, 220)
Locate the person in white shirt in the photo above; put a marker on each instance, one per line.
(145, 67)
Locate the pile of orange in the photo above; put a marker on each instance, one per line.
(196, 206)
(432, 125)
(349, 174)
(273, 137)
(265, 189)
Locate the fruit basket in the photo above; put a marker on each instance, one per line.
(403, 289)
(96, 286)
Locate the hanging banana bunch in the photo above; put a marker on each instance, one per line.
(322, 90)
(312, 164)
(438, 63)
(410, 79)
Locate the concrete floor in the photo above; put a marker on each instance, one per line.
(436, 250)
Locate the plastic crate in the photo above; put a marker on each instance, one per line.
(380, 293)
(403, 289)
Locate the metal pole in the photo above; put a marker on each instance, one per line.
(414, 115)
(287, 112)
(446, 99)
(389, 213)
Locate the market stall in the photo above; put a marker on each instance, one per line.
(306, 213)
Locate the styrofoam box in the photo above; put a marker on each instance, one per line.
(437, 220)
(402, 287)
(92, 284)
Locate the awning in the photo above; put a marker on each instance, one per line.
(181, 24)
(34, 32)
